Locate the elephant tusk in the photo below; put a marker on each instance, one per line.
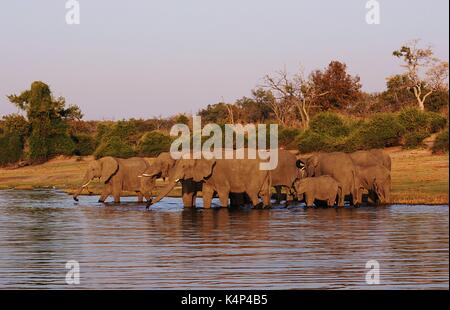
(177, 180)
(145, 175)
(86, 184)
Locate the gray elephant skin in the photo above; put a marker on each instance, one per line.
(337, 165)
(117, 174)
(323, 188)
(223, 176)
(164, 167)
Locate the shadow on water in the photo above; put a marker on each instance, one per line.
(124, 246)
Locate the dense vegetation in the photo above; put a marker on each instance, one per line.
(324, 111)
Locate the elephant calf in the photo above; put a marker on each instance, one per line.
(321, 188)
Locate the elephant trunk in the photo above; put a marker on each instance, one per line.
(163, 193)
(86, 182)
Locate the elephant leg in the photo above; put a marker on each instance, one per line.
(187, 200)
(194, 199)
(223, 197)
(116, 196)
(105, 193)
(278, 194)
(309, 200)
(207, 193)
(255, 201)
(341, 202)
(140, 197)
(148, 196)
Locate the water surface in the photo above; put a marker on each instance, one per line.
(125, 247)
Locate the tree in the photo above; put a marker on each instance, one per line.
(292, 94)
(47, 118)
(397, 93)
(426, 73)
(340, 89)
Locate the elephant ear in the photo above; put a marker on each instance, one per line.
(109, 168)
(203, 168)
(165, 167)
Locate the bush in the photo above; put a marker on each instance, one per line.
(382, 130)
(329, 124)
(437, 100)
(116, 147)
(436, 121)
(154, 143)
(11, 148)
(287, 137)
(413, 119)
(414, 139)
(311, 141)
(441, 142)
(84, 144)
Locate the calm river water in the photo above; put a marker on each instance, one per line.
(168, 247)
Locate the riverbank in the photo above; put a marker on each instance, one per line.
(418, 177)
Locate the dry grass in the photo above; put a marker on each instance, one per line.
(417, 176)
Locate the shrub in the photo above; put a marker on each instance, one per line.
(154, 143)
(116, 147)
(413, 119)
(84, 144)
(287, 137)
(437, 100)
(414, 139)
(311, 141)
(436, 121)
(329, 124)
(11, 148)
(441, 142)
(382, 130)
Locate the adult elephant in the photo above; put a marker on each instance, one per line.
(383, 157)
(371, 158)
(337, 165)
(163, 167)
(377, 180)
(285, 174)
(223, 176)
(118, 175)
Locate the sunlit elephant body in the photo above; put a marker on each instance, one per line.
(371, 158)
(223, 176)
(285, 174)
(377, 180)
(164, 167)
(323, 188)
(117, 174)
(337, 165)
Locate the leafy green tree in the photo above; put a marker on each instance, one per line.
(426, 73)
(116, 147)
(47, 118)
(154, 143)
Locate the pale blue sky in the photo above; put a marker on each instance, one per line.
(146, 58)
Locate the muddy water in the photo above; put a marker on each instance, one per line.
(168, 247)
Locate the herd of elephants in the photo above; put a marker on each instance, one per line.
(320, 179)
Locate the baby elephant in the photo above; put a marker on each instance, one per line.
(321, 188)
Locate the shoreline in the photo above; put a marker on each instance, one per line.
(418, 177)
